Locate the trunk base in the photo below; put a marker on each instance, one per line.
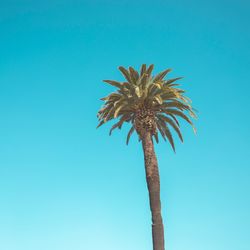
(158, 236)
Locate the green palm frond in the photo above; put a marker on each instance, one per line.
(132, 129)
(156, 137)
(172, 123)
(143, 81)
(180, 114)
(125, 73)
(143, 69)
(167, 132)
(126, 117)
(133, 75)
(161, 75)
(113, 83)
(158, 99)
(154, 88)
(113, 96)
(150, 69)
(159, 127)
(142, 91)
(168, 82)
(177, 104)
(100, 123)
(174, 118)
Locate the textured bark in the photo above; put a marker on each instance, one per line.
(153, 184)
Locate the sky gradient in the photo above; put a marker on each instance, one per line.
(65, 185)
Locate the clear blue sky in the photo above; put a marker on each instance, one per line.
(65, 185)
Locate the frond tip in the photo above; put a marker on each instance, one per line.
(149, 103)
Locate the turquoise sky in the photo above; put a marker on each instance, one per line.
(65, 185)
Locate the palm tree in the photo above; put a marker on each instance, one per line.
(151, 104)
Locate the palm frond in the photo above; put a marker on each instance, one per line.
(156, 137)
(176, 104)
(161, 75)
(112, 96)
(143, 69)
(125, 73)
(159, 127)
(173, 125)
(132, 129)
(100, 124)
(168, 82)
(167, 132)
(158, 99)
(180, 114)
(150, 69)
(124, 118)
(134, 76)
(174, 118)
(143, 81)
(113, 83)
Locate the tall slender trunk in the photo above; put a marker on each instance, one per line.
(153, 184)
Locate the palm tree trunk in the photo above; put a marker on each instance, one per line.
(153, 184)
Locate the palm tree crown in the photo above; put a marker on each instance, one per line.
(150, 103)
